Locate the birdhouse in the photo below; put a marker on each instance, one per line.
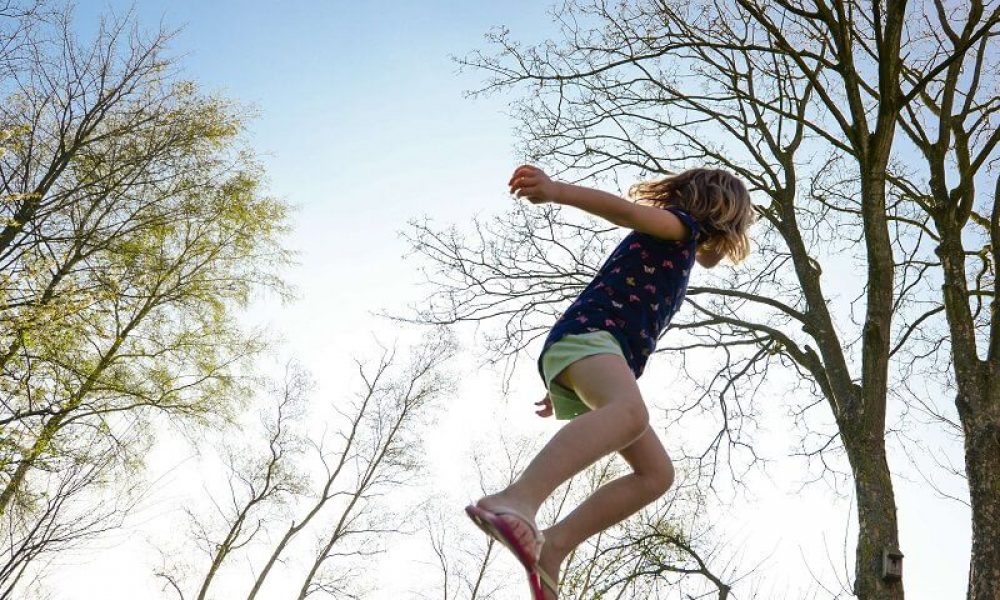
(892, 565)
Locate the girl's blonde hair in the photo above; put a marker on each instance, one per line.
(715, 197)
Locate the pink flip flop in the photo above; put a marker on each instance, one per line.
(491, 523)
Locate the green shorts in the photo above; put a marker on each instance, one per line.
(567, 350)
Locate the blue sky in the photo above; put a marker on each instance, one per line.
(362, 125)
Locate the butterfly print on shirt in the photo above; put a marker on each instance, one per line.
(659, 269)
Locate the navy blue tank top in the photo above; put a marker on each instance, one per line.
(635, 294)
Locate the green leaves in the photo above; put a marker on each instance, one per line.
(134, 229)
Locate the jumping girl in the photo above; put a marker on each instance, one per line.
(598, 348)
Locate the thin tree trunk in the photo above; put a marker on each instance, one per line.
(982, 464)
(223, 551)
(865, 434)
(259, 581)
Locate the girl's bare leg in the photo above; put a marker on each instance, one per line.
(618, 420)
(612, 503)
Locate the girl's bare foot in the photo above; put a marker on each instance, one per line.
(521, 529)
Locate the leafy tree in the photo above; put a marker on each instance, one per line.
(133, 226)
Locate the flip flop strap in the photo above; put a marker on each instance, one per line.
(534, 528)
(547, 580)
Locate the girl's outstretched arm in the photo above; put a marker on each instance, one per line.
(533, 184)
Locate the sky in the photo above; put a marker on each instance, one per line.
(362, 124)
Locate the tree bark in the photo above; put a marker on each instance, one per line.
(978, 404)
(876, 513)
(982, 464)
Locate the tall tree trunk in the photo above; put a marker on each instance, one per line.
(876, 512)
(978, 403)
(864, 430)
(982, 465)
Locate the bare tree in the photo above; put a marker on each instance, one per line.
(805, 102)
(953, 124)
(386, 452)
(463, 577)
(343, 508)
(665, 551)
(259, 480)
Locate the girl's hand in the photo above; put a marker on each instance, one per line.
(532, 183)
(546, 404)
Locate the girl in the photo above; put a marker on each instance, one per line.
(598, 348)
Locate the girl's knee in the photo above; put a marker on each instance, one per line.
(661, 479)
(635, 417)
(667, 478)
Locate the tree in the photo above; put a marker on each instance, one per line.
(275, 499)
(952, 122)
(805, 102)
(133, 225)
(76, 503)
